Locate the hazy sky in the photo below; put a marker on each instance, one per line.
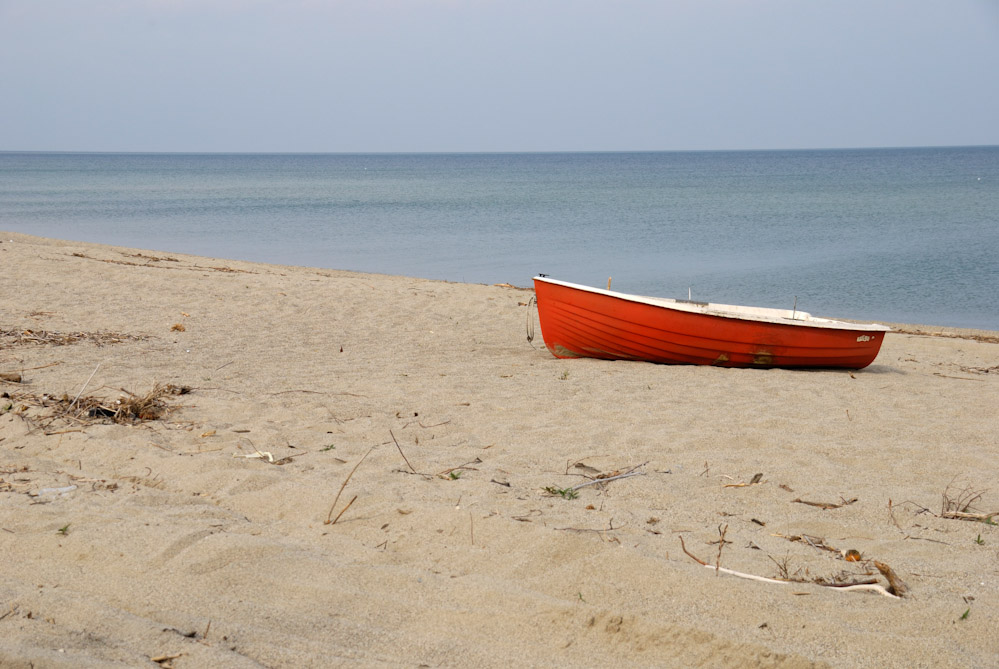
(496, 75)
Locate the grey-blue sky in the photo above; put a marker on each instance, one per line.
(496, 75)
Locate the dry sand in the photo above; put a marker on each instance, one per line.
(125, 544)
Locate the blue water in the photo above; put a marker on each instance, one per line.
(898, 235)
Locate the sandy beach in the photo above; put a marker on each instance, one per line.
(340, 469)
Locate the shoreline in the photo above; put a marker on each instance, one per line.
(460, 463)
(984, 334)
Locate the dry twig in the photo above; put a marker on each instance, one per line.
(721, 545)
(329, 517)
(613, 476)
(826, 505)
(758, 478)
(464, 467)
(402, 454)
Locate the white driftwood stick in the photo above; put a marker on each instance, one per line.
(751, 577)
(871, 587)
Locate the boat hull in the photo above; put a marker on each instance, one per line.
(577, 321)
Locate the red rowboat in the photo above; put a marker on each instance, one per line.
(578, 321)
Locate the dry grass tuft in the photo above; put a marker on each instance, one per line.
(127, 409)
(12, 338)
(959, 504)
(959, 500)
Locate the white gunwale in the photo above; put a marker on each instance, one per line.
(761, 314)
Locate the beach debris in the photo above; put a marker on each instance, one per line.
(607, 477)
(959, 378)
(288, 458)
(396, 441)
(343, 510)
(721, 544)
(150, 258)
(86, 383)
(602, 531)
(58, 492)
(564, 493)
(725, 570)
(757, 478)
(330, 520)
(193, 268)
(165, 661)
(451, 472)
(895, 590)
(267, 456)
(955, 505)
(131, 407)
(584, 469)
(84, 410)
(850, 555)
(896, 586)
(902, 329)
(974, 517)
(26, 337)
(263, 455)
(980, 370)
(825, 506)
(177, 327)
(906, 535)
(10, 377)
(958, 504)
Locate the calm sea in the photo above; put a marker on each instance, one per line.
(898, 235)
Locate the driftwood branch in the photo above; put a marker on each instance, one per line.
(752, 577)
(975, 517)
(896, 588)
